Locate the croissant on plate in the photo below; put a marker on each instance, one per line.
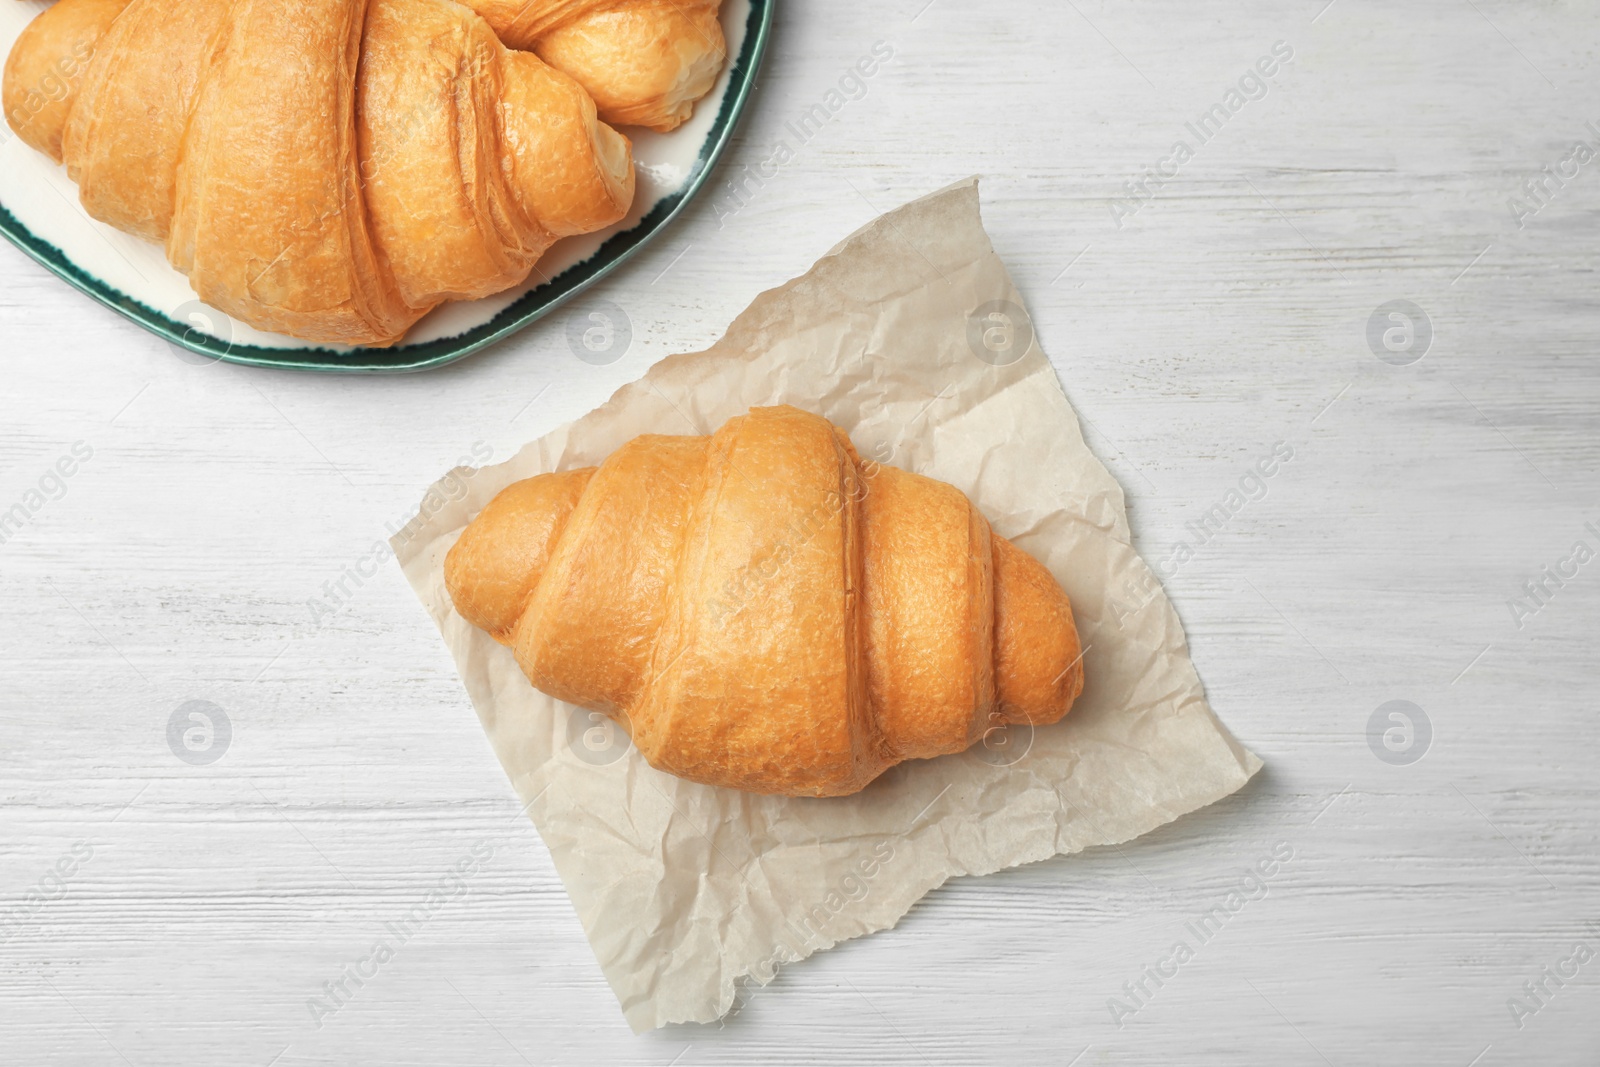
(328, 169)
(645, 62)
(762, 610)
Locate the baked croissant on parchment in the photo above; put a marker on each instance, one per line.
(328, 169)
(645, 62)
(762, 610)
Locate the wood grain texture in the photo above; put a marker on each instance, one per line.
(1227, 314)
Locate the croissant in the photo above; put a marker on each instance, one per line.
(645, 62)
(761, 610)
(327, 169)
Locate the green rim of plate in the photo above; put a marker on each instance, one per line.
(528, 308)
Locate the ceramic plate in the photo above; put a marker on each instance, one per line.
(39, 212)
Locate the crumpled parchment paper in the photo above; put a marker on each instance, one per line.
(910, 335)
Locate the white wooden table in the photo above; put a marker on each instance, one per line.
(207, 904)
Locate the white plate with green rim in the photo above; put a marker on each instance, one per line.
(40, 213)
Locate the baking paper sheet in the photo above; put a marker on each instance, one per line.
(910, 335)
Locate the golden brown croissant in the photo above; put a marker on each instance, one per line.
(645, 62)
(763, 611)
(320, 168)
